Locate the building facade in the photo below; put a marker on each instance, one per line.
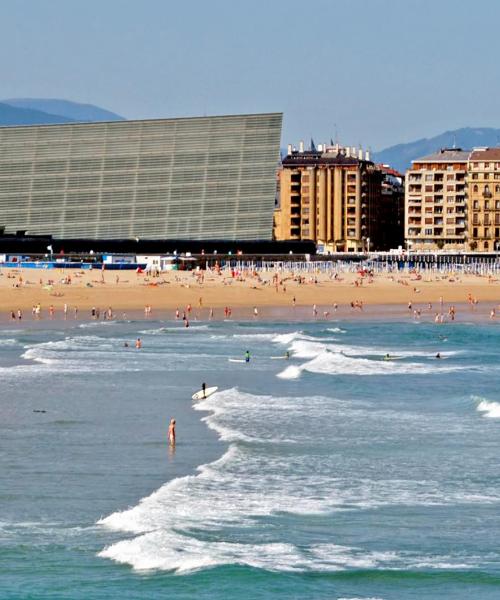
(435, 201)
(333, 195)
(484, 199)
(189, 178)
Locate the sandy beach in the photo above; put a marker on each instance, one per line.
(247, 294)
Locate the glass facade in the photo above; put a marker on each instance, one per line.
(189, 178)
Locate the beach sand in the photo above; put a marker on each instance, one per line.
(129, 292)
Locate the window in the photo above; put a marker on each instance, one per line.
(450, 199)
(428, 178)
(475, 188)
(474, 175)
(486, 246)
(428, 231)
(450, 210)
(497, 204)
(474, 232)
(486, 205)
(475, 204)
(450, 176)
(486, 232)
(497, 189)
(428, 188)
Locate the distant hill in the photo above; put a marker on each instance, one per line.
(400, 156)
(73, 111)
(11, 115)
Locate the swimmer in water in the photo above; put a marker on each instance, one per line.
(171, 432)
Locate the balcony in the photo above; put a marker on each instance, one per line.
(487, 194)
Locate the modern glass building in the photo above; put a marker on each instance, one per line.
(189, 178)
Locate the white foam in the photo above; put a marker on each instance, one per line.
(330, 362)
(287, 338)
(8, 342)
(290, 372)
(189, 522)
(490, 410)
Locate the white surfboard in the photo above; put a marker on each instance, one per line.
(279, 357)
(240, 360)
(208, 392)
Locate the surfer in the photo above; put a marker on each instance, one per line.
(204, 389)
(287, 355)
(438, 355)
(247, 356)
(387, 357)
(171, 432)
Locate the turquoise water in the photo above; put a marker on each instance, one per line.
(333, 475)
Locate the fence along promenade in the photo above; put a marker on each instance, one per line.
(478, 266)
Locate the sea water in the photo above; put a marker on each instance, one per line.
(333, 474)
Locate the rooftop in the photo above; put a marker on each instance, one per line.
(445, 155)
(486, 154)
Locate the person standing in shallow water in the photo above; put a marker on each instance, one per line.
(171, 432)
(247, 356)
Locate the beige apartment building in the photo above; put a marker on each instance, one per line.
(484, 199)
(333, 196)
(435, 201)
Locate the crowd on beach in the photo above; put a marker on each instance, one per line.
(329, 288)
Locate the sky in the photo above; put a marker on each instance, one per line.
(369, 72)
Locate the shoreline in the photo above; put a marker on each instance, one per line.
(464, 313)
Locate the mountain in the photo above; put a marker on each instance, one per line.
(73, 111)
(401, 155)
(11, 115)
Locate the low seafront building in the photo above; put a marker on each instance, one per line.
(198, 178)
(338, 198)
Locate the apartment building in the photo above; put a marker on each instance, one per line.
(333, 196)
(435, 201)
(484, 199)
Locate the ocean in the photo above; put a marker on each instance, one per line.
(334, 474)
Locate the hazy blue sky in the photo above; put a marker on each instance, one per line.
(383, 71)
